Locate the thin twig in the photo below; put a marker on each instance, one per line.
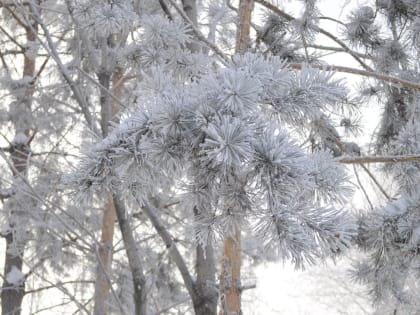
(108, 279)
(171, 246)
(380, 159)
(371, 74)
(77, 92)
(165, 10)
(341, 147)
(288, 17)
(12, 38)
(101, 87)
(225, 60)
(376, 182)
(362, 187)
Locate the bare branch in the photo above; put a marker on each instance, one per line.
(288, 17)
(170, 244)
(198, 33)
(382, 77)
(54, 286)
(165, 9)
(5, 195)
(77, 92)
(356, 173)
(380, 159)
(12, 38)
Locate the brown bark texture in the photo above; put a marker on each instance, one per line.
(230, 281)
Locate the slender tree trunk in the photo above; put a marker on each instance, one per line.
(12, 294)
(109, 111)
(230, 281)
(243, 39)
(103, 273)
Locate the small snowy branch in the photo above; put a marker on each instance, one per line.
(170, 244)
(198, 33)
(380, 159)
(108, 279)
(15, 16)
(102, 87)
(382, 77)
(54, 286)
(5, 195)
(341, 146)
(77, 92)
(362, 187)
(82, 308)
(49, 204)
(247, 287)
(12, 38)
(288, 17)
(165, 9)
(337, 49)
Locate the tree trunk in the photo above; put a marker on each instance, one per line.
(109, 111)
(230, 281)
(12, 294)
(103, 273)
(243, 39)
(206, 280)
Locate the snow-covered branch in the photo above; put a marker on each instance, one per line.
(380, 159)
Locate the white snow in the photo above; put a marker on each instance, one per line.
(15, 276)
(20, 138)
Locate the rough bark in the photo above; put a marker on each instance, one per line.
(12, 295)
(230, 281)
(244, 26)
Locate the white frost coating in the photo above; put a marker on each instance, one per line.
(20, 138)
(5, 229)
(15, 276)
(31, 50)
(415, 237)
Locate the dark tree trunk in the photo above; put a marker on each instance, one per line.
(206, 281)
(12, 294)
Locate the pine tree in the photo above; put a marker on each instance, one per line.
(218, 138)
(230, 149)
